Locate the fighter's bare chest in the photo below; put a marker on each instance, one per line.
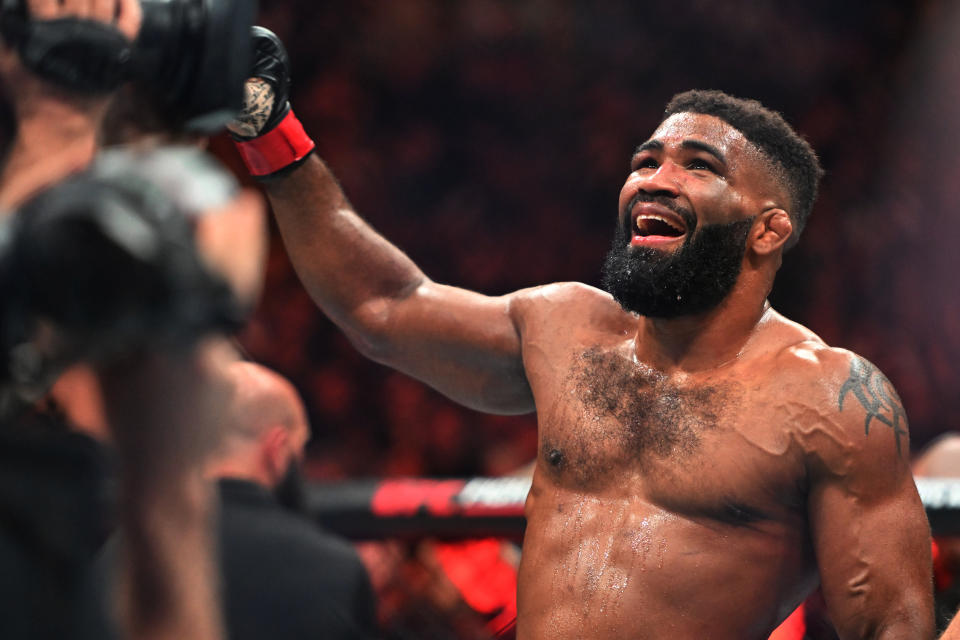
(611, 421)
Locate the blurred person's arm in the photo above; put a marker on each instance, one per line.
(56, 130)
(165, 410)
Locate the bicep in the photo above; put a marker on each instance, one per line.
(868, 525)
(464, 344)
(869, 528)
(873, 552)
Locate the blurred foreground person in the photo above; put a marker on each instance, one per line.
(130, 272)
(136, 268)
(703, 461)
(282, 577)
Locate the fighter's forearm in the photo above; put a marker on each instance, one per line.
(347, 267)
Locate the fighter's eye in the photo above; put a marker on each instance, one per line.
(702, 165)
(645, 163)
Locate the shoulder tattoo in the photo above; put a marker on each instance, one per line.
(877, 396)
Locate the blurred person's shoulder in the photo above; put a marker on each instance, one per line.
(250, 515)
(939, 458)
(275, 562)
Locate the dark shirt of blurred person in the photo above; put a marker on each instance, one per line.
(54, 501)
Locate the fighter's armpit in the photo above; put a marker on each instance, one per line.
(868, 387)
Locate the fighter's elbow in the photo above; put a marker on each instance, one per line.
(906, 631)
(371, 337)
(908, 623)
(381, 326)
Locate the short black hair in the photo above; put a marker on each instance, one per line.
(794, 160)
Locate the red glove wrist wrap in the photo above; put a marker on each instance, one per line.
(280, 147)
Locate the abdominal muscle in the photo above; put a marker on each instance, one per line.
(599, 567)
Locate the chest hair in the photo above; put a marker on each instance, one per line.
(632, 413)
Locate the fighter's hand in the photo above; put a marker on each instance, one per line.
(269, 137)
(265, 100)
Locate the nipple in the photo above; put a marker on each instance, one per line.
(555, 457)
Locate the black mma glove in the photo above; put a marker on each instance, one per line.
(267, 133)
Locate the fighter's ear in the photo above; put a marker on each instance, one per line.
(771, 231)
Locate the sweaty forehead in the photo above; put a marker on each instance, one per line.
(713, 131)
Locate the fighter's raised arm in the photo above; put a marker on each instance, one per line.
(462, 343)
(869, 531)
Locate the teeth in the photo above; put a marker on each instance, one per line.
(656, 217)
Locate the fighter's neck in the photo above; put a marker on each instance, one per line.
(702, 342)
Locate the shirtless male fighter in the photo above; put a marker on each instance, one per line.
(703, 462)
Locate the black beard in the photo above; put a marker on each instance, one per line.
(691, 280)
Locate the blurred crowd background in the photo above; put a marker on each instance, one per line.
(490, 139)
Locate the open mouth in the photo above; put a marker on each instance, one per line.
(653, 225)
